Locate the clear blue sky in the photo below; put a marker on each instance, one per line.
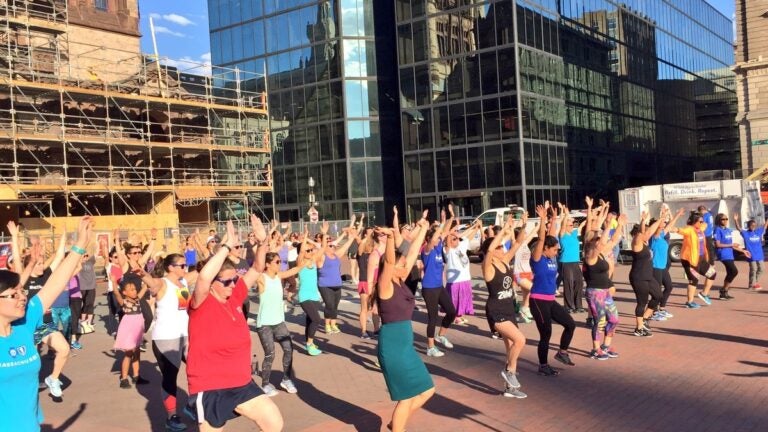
(181, 27)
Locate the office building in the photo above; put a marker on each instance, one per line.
(497, 102)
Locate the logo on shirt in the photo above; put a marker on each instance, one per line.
(18, 351)
(552, 266)
(507, 282)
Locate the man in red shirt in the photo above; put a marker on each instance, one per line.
(219, 361)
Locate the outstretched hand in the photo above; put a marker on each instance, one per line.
(232, 234)
(85, 232)
(256, 226)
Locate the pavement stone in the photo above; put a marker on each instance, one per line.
(703, 370)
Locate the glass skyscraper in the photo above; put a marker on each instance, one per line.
(482, 103)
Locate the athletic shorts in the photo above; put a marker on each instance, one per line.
(521, 276)
(44, 330)
(362, 287)
(217, 407)
(702, 269)
(89, 301)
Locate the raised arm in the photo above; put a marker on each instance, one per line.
(446, 228)
(122, 260)
(259, 262)
(563, 220)
(650, 231)
(671, 225)
(60, 251)
(538, 250)
(510, 254)
(150, 247)
(616, 237)
(17, 265)
(211, 269)
(64, 271)
(396, 227)
(352, 233)
(488, 269)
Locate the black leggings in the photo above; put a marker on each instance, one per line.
(246, 307)
(573, 285)
(169, 355)
(730, 271)
(663, 279)
(435, 297)
(311, 310)
(331, 298)
(544, 312)
(268, 335)
(643, 289)
(75, 308)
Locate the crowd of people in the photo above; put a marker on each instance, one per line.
(193, 305)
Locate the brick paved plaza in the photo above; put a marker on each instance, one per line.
(703, 370)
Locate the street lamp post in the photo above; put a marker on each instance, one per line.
(312, 213)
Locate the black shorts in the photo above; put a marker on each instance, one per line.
(89, 301)
(500, 315)
(217, 407)
(702, 268)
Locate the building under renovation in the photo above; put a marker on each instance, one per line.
(90, 126)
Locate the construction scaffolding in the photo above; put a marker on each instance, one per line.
(86, 129)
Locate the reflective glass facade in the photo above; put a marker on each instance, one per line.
(321, 68)
(517, 102)
(483, 103)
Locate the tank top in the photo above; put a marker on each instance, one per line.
(308, 284)
(596, 275)
(501, 294)
(399, 307)
(271, 310)
(362, 263)
(190, 255)
(171, 317)
(329, 275)
(642, 269)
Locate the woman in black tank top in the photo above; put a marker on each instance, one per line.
(501, 304)
(597, 274)
(641, 275)
(408, 381)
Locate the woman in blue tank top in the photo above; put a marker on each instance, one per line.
(309, 295)
(329, 274)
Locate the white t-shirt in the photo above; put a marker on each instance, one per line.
(523, 260)
(457, 263)
(293, 253)
(171, 316)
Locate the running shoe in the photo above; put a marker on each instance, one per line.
(335, 329)
(692, 305)
(666, 313)
(511, 379)
(704, 298)
(609, 351)
(125, 384)
(563, 357)
(270, 390)
(313, 350)
(143, 346)
(547, 370)
(288, 386)
(598, 355)
(365, 336)
(527, 312)
(495, 335)
(757, 287)
(328, 329)
(641, 332)
(444, 341)
(54, 386)
(658, 316)
(730, 297)
(434, 352)
(139, 380)
(514, 393)
(76, 345)
(524, 319)
(646, 325)
(464, 321)
(174, 423)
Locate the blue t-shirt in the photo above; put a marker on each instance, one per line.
(753, 242)
(19, 367)
(710, 224)
(724, 236)
(544, 276)
(660, 251)
(190, 255)
(433, 267)
(569, 244)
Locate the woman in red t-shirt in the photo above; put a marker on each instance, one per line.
(219, 360)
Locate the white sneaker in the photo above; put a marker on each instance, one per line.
(54, 386)
(270, 390)
(288, 386)
(444, 341)
(434, 352)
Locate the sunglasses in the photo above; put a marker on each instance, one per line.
(277, 262)
(227, 282)
(113, 257)
(332, 246)
(180, 265)
(237, 247)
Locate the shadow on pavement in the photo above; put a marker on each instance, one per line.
(343, 411)
(67, 423)
(445, 407)
(716, 336)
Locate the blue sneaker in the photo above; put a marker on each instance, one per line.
(76, 345)
(705, 299)
(692, 305)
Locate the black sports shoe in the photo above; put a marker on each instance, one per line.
(641, 332)
(564, 358)
(174, 423)
(547, 370)
(139, 380)
(125, 384)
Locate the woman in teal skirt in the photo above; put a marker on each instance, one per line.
(408, 380)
